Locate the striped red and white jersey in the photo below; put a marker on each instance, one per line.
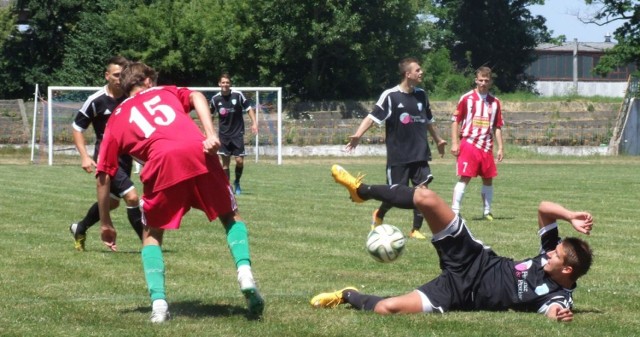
(478, 118)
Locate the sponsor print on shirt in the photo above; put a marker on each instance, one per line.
(406, 118)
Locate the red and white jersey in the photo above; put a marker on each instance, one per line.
(478, 118)
(154, 127)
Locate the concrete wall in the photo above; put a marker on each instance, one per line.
(564, 88)
(630, 140)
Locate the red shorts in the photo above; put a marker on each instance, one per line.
(473, 162)
(209, 192)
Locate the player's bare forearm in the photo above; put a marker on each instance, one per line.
(498, 138)
(87, 162)
(549, 212)
(455, 147)
(440, 143)
(107, 231)
(201, 106)
(354, 139)
(254, 121)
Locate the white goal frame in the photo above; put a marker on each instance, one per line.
(257, 90)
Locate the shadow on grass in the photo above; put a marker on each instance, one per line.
(197, 309)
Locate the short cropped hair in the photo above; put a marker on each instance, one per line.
(578, 255)
(484, 71)
(225, 75)
(134, 75)
(118, 60)
(403, 65)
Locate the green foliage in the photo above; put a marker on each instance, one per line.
(343, 49)
(627, 50)
(476, 37)
(442, 79)
(306, 237)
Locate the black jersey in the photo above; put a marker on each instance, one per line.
(475, 278)
(406, 116)
(96, 111)
(230, 110)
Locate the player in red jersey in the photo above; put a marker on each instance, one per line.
(181, 171)
(477, 121)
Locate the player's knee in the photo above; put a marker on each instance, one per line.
(131, 198)
(423, 197)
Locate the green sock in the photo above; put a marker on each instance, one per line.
(238, 241)
(153, 265)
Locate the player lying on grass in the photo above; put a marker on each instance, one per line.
(473, 277)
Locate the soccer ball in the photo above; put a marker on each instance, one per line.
(386, 243)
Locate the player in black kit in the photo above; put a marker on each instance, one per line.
(96, 111)
(407, 117)
(473, 277)
(229, 105)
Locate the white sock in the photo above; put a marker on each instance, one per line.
(458, 194)
(160, 304)
(245, 277)
(487, 198)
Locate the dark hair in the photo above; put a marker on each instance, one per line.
(403, 65)
(134, 75)
(578, 255)
(119, 60)
(224, 75)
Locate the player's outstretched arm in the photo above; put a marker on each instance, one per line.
(354, 139)
(549, 212)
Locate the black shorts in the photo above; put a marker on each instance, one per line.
(232, 146)
(417, 172)
(463, 259)
(121, 183)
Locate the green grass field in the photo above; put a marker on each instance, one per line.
(306, 237)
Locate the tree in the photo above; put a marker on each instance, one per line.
(88, 46)
(501, 34)
(341, 49)
(627, 50)
(33, 57)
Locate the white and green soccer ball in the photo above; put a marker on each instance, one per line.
(385, 243)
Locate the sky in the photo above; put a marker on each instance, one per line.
(562, 18)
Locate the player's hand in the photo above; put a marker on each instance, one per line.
(582, 222)
(108, 235)
(254, 129)
(352, 144)
(500, 155)
(455, 149)
(441, 147)
(88, 164)
(211, 145)
(564, 315)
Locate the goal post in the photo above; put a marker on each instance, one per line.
(263, 103)
(63, 103)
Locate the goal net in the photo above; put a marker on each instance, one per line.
(53, 133)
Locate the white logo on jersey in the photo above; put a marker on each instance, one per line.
(419, 106)
(233, 101)
(107, 112)
(400, 106)
(542, 289)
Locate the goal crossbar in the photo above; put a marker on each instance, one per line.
(257, 90)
